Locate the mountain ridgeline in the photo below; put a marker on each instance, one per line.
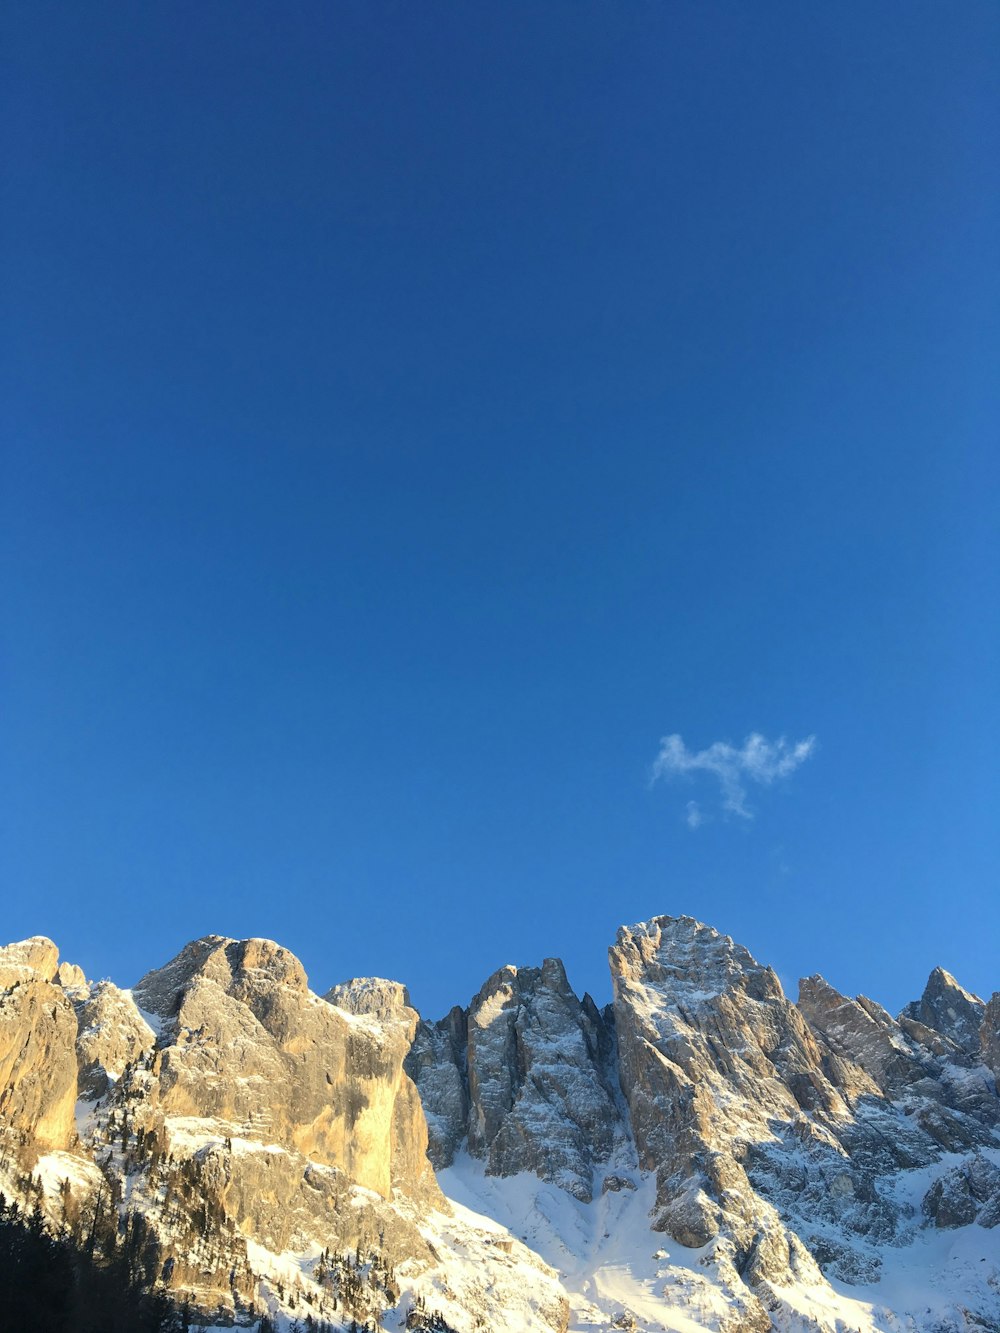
(701, 1153)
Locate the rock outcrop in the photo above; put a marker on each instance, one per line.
(112, 1034)
(71, 977)
(246, 1042)
(965, 1194)
(949, 1009)
(38, 1077)
(713, 1057)
(989, 1036)
(33, 959)
(525, 1077)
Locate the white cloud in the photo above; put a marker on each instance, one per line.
(757, 760)
(693, 818)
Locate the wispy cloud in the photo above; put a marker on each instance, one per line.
(693, 816)
(758, 760)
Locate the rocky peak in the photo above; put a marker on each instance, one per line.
(689, 961)
(864, 1035)
(949, 1009)
(241, 967)
(524, 1075)
(161, 989)
(34, 957)
(373, 997)
(246, 1042)
(714, 1060)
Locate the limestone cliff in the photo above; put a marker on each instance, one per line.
(245, 1041)
(38, 1080)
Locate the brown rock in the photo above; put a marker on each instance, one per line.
(35, 957)
(246, 1042)
(38, 1081)
(112, 1033)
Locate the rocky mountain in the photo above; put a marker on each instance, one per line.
(702, 1153)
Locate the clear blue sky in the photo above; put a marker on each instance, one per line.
(412, 412)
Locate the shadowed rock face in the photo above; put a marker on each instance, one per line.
(989, 1035)
(438, 1064)
(949, 1009)
(539, 1092)
(525, 1076)
(862, 1033)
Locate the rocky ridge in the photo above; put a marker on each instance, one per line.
(703, 1145)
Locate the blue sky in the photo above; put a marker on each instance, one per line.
(412, 414)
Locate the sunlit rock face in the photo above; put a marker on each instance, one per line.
(71, 977)
(861, 1036)
(112, 1034)
(38, 1078)
(713, 1059)
(246, 1041)
(946, 1093)
(36, 959)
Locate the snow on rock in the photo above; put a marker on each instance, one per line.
(714, 1059)
(111, 1035)
(36, 957)
(614, 1269)
(375, 998)
(524, 1076)
(949, 1009)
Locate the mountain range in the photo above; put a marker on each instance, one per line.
(703, 1153)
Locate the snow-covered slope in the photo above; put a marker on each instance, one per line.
(618, 1273)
